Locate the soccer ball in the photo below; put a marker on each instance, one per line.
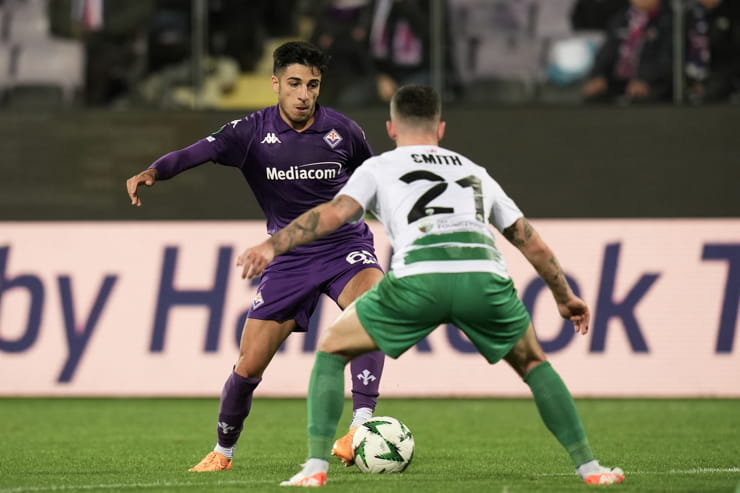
(382, 445)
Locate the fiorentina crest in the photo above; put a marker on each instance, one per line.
(333, 138)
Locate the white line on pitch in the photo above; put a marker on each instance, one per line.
(700, 470)
(31, 489)
(23, 489)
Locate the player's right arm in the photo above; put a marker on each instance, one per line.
(169, 165)
(223, 146)
(146, 177)
(522, 235)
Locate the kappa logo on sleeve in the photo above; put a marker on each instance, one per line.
(333, 138)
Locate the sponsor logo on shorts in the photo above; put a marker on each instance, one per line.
(258, 300)
(361, 256)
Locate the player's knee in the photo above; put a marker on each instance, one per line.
(331, 344)
(531, 364)
(523, 357)
(340, 346)
(249, 367)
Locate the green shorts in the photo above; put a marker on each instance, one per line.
(398, 313)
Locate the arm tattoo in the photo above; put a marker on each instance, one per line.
(303, 230)
(556, 280)
(315, 223)
(512, 235)
(528, 229)
(549, 270)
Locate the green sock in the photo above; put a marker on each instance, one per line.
(325, 403)
(558, 411)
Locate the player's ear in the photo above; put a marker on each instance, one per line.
(441, 126)
(391, 129)
(275, 84)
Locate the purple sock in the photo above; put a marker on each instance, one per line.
(236, 402)
(366, 371)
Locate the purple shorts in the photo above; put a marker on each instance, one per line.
(292, 284)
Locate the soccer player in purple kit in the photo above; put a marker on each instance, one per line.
(294, 155)
(438, 208)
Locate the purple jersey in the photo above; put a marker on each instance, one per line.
(289, 172)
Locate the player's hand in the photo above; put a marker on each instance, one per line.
(254, 260)
(146, 177)
(576, 310)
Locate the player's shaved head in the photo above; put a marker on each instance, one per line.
(416, 106)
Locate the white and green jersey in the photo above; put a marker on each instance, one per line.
(435, 205)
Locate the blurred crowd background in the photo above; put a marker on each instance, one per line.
(216, 54)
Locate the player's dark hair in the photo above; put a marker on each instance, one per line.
(298, 52)
(416, 102)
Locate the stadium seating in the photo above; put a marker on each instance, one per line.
(567, 55)
(26, 20)
(496, 49)
(54, 65)
(519, 50)
(36, 68)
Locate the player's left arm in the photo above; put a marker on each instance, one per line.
(522, 235)
(309, 226)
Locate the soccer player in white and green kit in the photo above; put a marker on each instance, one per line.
(436, 206)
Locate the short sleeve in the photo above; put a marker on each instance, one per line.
(362, 187)
(504, 212)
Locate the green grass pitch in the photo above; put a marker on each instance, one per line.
(462, 445)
